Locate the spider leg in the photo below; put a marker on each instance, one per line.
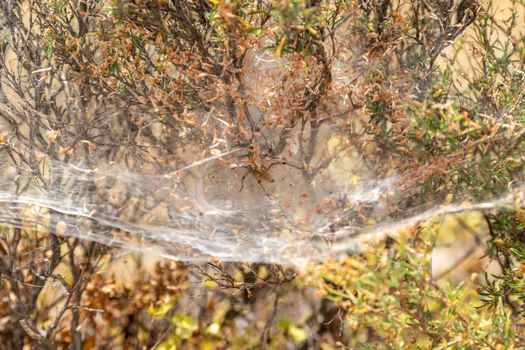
(282, 162)
(242, 180)
(274, 164)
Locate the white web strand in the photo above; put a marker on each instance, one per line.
(202, 220)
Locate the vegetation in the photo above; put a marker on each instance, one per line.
(427, 96)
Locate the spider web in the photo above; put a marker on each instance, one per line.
(215, 200)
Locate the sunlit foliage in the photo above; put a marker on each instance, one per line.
(429, 93)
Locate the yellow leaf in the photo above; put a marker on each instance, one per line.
(51, 135)
(280, 47)
(311, 30)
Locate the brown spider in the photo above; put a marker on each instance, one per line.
(262, 172)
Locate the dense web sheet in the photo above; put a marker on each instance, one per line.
(210, 206)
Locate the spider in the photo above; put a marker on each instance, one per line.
(262, 172)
